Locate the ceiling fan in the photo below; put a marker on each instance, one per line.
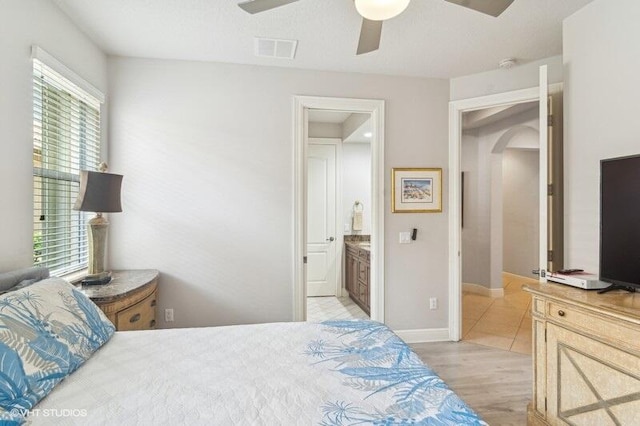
(374, 12)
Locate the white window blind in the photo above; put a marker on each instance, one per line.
(66, 139)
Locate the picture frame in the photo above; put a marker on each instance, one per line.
(416, 190)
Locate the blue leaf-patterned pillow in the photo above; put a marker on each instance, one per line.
(47, 331)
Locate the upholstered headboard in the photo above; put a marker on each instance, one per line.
(20, 278)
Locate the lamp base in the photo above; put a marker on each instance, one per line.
(97, 279)
(97, 234)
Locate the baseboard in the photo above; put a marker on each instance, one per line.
(424, 335)
(482, 290)
(520, 277)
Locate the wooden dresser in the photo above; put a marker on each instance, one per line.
(586, 357)
(357, 273)
(129, 300)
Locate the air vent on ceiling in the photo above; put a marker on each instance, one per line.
(274, 48)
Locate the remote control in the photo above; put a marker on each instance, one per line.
(570, 271)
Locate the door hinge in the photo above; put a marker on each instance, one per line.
(304, 260)
(550, 120)
(545, 335)
(545, 404)
(550, 189)
(550, 256)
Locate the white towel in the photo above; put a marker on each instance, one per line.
(357, 221)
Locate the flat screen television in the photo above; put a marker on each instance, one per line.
(620, 223)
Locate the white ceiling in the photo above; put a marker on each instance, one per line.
(483, 117)
(360, 135)
(432, 38)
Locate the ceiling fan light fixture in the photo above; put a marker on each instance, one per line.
(380, 10)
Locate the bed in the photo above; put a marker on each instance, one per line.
(331, 373)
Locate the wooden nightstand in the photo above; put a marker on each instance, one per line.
(129, 300)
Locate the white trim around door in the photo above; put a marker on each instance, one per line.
(301, 106)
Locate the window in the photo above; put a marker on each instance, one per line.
(66, 139)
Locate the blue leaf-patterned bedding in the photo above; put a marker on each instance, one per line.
(333, 373)
(47, 331)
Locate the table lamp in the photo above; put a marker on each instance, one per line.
(99, 193)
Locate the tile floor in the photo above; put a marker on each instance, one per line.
(333, 308)
(499, 322)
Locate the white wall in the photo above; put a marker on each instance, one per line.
(602, 90)
(499, 81)
(521, 201)
(356, 184)
(325, 130)
(482, 161)
(207, 154)
(22, 24)
(475, 163)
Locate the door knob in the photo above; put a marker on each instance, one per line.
(330, 239)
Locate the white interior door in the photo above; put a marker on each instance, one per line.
(321, 220)
(544, 174)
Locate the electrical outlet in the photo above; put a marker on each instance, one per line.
(347, 227)
(433, 303)
(168, 315)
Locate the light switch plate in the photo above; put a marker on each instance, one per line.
(405, 238)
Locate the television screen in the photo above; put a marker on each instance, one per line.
(620, 221)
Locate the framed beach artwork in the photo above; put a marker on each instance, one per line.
(416, 190)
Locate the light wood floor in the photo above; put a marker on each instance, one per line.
(496, 383)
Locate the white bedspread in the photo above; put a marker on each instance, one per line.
(268, 374)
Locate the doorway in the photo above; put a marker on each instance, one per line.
(550, 215)
(312, 159)
(338, 213)
(500, 232)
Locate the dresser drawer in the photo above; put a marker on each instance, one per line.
(141, 316)
(616, 331)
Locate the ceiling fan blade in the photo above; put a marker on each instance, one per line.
(257, 6)
(489, 7)
(369, 36)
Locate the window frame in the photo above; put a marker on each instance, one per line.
(67, 138)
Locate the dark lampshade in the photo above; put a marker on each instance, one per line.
(99, 192)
